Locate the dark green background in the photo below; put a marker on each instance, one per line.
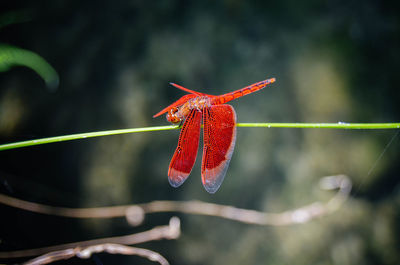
(333, 61)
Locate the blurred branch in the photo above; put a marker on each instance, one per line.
(299, 215)
(171, 231)
(339, 125)
(85, 253)
(135, 213)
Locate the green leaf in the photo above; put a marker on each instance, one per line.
(13, 56)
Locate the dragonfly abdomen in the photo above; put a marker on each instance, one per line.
(241, 92)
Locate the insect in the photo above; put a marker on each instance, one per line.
(219, 133)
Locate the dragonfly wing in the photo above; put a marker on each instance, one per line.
(219, 141)
(185, 154)
(190, 91)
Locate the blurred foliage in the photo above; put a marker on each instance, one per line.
(14, 16)
(12, 56)
(333, 60)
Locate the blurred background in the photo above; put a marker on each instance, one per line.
(333, 61)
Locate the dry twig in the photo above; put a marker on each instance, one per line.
(171, 231)
(135, 213)
(86, 252)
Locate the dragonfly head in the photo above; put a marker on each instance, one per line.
(172, 116)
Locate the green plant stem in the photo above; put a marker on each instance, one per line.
(339, 125)
(70, 137)
(82, 136)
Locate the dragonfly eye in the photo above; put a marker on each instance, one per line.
(172, 117)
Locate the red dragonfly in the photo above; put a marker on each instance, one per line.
(219, 134)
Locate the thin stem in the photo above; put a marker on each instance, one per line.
(82, 136)
(339, 125)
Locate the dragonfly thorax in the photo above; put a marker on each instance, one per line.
(177, 114)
